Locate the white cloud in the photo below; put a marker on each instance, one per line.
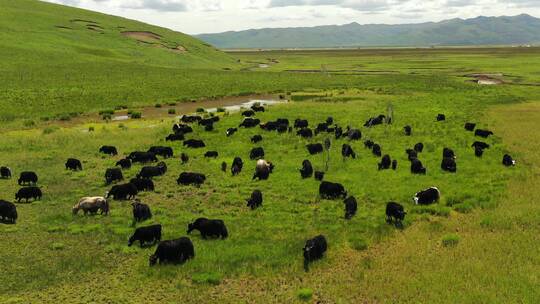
(210, 16)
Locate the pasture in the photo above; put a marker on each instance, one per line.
(51, 249)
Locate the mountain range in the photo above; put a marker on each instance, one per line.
(514, 30)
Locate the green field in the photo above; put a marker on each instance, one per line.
(479, 244)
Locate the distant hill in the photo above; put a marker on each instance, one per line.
(521, 29)
(49, 34)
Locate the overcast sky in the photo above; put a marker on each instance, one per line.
(211, 16)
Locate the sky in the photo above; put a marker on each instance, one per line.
(213, 16)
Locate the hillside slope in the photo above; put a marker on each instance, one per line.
(522, 29)
(50, 34)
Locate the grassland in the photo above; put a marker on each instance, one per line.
(488, 213)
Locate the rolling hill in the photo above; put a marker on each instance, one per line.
(34, 31)
(521, 29)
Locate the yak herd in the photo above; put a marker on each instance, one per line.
(181, 249)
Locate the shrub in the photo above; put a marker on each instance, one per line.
(158, 105)
(45, 118)
(221, 110)
(172, 111)
(450, 240)
(358, 244)
(305, 294)
(172, 104)
(50, 130)
(200, 110)
(136, 115)
(206, 278)
(103, 112)
(64, 117)
(463, 207)
(29, 123)
(57, 246)
(91, 129)
(106, 116)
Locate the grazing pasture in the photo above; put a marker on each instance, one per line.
(261, 243)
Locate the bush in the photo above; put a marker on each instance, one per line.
(358, 244)
(172, 111)
(91, 129)
(172, 104)
(200, 110)
(158, 105)
(50, 130)
(136, 115)
(450, 240)
(463, 207)
(106, 116)
(29, 123)
(104, 112)
(64, 117)
(221, 110)
(305, 294)
(206, 278)
(57, 246)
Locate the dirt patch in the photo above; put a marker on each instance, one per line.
(486, 79)
(143, 36)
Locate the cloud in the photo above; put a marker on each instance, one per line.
(360, 5)
(157, 5)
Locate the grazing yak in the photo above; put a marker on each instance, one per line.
(211, 154)
(441, 117)
(449, 164)
(411, 154)
(231, 131)
(142, 157)
(208, 121)
(395, 213)
(250, 122)
(314, 148)
(27, 177)
(191, 178)
(314, 250)
(307, 169)
(28, 193)
(256, 200)
(209, 127)
(109, 150)
(141, 212)
(394, 164)
(73, 164)
(407, 130)
(354, 134)
(305, 133)
(248, 113)
(257, 108)
(322, 127)
(376, 150)
(175, 137)
(448, 153)
(373, 121)
(338, 132)
(165, 152)
(480, 144)
(146, 235)
(263, 169)
(385, 163)
(194, 143)
(184, 158)
(224, 166)
(182, 129)
(256, 153)
(256, 138)
(124, 163)
(508, 161)
(8, 212)
(113, 175)
(469, 126)
(350, 207)
(482, 133)
(5, 172)
(209, 228)
(300, 123)
(92, 205)
(143, 184)
(319, 175)
(347, 151)
(328, 190)
(427, 197)
(123, 192)
(190, 118)
(417, 167)
(237, 166)
(478, 151)
(419, 147)
(368, 144)
(173, 251)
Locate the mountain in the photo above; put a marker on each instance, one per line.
(51, 34)
(521, 29)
